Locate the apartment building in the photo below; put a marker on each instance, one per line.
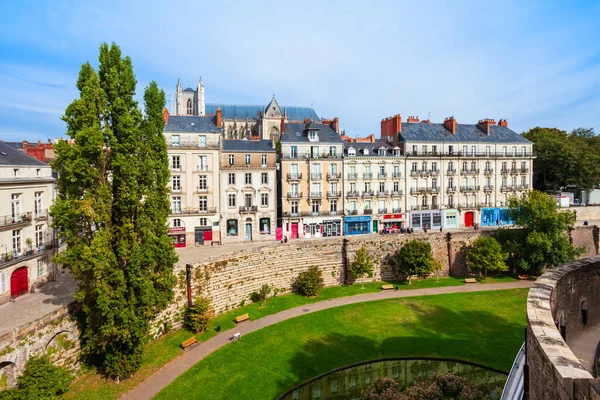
(311, 175)
(26, 239)
(460, 174)
(193, 144)
(248, 190)
(374, 184)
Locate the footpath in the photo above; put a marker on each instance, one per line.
(163, 377)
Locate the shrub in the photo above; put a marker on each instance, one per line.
(261, 295)
(310, 283)
(439, 386)
(40, 380)
(198, 316)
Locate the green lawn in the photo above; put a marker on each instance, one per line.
(90, 385)
(484, 327)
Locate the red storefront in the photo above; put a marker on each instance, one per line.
(177, 234)
(393, 222)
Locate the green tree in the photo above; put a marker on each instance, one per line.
(112, 211)
(542, 240)
(40, 380)
(413, 258)
(486, 254)
(310, 282)
(361, 266)
(198, 316)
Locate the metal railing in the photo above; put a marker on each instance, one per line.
(368, 211)
(397, 192)
(17, 219)
(334, 194)
(382, 211)
(368, 193)
(396, 210)
(489, 188)
(293, 177)
(13, 256)
(352, 176)
(294, 195)
(382, 175)
(316, 175)
(40, 215)
(367, 175)
(469, 188)
(248, 209)
(352, 194)
(396, 175)
(195, 210)
(331, 175)
(315, 195)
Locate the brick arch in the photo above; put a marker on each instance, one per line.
(8, 369)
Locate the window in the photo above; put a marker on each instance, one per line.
(488, 166)
(450, 200)
(264, 178)
(488, 182)
(41, 268)
(414, 149)
(424, 149)
(333, 187)
(504, 169)
(367, 204)
(487, 150)
(201, 141)
(247, 159)
(293, 151)
(263, 160)
(316, 206)
(264, 199)
(248, 200)
(381, 205)
(231, 179)
(3, 283)
(396, 187)
(434, 149)
(231, 200)
(203, 204)
(176, 183)
(232, 227)
(16, 241)
(523, 152)
(189, 107)
(396, 171)
(434, 183)
(450, 182)
(16, 207)
(202, 164)
(174, 140)
(434, 166)
(464, 166)
(16, 172)
(451, 150)
(473, 166)
(473, 151)
(524, 181)
(353, 205)
(39, 236)
(413, 167)
(294, 207)
(37, 204)
(38, 172)
(231, 160)
(203, 221)
(333, 168)
(202, 183)
(176, 205)
(367, 187)
(312, 136)
(424, 166)
(504, 182)
(332, 151)
(450, 166)
(294, 189)
(333, 206)
(175, 163)
(381, 187)
(177, 222)
(514, 165)
(514, 181)
(381, 152)
(381, 171)
(523, 165)
(396, 205)
(465, 149)
(248, 178)
(434, 202)
(314, 151)
(351, 151)
(514, 151)
(353, 187)
(504, 151)
(265, 226)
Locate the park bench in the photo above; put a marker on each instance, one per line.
(524, 277)
(242, 318)
(387, 287)
(189, 342)
(470, 280)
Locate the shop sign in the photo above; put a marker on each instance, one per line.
(357, 219)
(178, 229)
(392, 216)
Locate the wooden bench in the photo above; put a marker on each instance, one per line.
(524, 277)
(470, 280)
(189, 342)
(242, 318)
(387, 287)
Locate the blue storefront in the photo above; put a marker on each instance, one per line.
(357, 225)
(495, 216)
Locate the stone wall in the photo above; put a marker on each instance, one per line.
(588, 213)
(554, 371)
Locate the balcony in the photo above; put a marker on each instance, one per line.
(294, 176)
(248, 209)
(185, 145)
(352, 176)
(470, 171)
(367, 175)
(195, 211)
(352, 212)
(334, 176)
(368, 211)
(524, 170)
(201, 189)
(290, 214)
(368, 193)
(433, 189)
(488, 171)
(40, 215)
(415, 207)
(433, 172)
(396, 175)
(467, 189)
(397, 193)
(424, 206)
(176, 189)
(334, 194)
(451, 189)
(316, 195)
(294, 195)
(382, 175)
(15, 221)
(504, 188)
(382, 211)
(489, 188)
(514, 171)
(451, 172)
(316, 176)
(396, 210)
(415, 173)
(523, 187)
(16, 257)
(383, 193)
(414, 191)
(352, 194)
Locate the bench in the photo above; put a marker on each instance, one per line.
(387, 287)
(242, 318)
(189, 342)
(470, 280)
(524, 277)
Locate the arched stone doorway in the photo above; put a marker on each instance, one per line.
(8, 377)
(19, 282)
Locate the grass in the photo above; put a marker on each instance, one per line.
(91, 385)
(483, 327)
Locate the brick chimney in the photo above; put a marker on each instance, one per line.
(335, 125)
(484, 125)
(426, 121)
(219, 117)
(412, 119)
(390, 127)
(450, 124)
(503, 123)
(166, 115)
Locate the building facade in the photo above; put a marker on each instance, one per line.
(311, 179)
(26, 239)
(248, 190)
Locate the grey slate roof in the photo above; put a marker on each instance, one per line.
(186, 123)
(468, 133)
(263, 146)
(241, 111)
(16, 157)
(372, 147)
(295, 132)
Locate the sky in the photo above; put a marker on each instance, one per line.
(534, 63)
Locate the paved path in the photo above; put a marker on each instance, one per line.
(153, 384)
(584, 346)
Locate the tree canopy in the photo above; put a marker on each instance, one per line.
(112, 210)
(361, 265)
(413, 258)
(486, 254)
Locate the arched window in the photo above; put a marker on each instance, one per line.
(176, 222)
(189, 107)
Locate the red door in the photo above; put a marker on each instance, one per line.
(469, 219)
(18, 282)
(208, 236)
(295, 231)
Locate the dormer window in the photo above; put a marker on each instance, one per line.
(312, 136)
(351, 151)
(366, 152)
(381, 152)
(396, 152)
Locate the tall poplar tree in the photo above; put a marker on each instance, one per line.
(112, 211)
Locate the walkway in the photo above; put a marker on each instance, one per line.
(153, 384)
(584, 346)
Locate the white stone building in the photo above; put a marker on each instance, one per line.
(26, 239)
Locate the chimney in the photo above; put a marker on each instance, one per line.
(166, 115)
(450, 124)
(335, 125)
(390, 127)
(306, 120)
(503, 123)
(484, 125)
(282, 126)
(412, 119)
(219, 117)
(426, 121)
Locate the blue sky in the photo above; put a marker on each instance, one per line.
(533, 63)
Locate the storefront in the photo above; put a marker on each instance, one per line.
(203, 235)
(332, 227)
(451, 219)
(177, 235)
(426, 219)
(393, 222)
(319, 227)
(495, 216)
(357, 225)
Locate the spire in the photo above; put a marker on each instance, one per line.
(200, 82)
(178, 84)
